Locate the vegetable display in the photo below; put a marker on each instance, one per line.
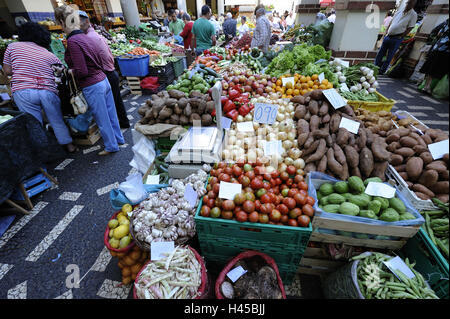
(436, 226)
(376, 121)
(175, 276)
(361, 78)
(119, 236)
(130, 263)
(376, 281)
(274, 198)
(153, 45)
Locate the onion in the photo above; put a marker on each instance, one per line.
(300, 171)
(248, 117)
(259, 152)
(287, 144)
(281, 109)
(375, 84)
(271, 137)
(371, 90)
(299, 163)
(280, 116)
(226, 154)
(362, 79)
(366, 85)
(282, 136)
(291, 136)
(251, 155)
(290, 108)
(294, 153)
(288, 161)
(342, 78)
(282, 167)
(240, 118)
(256, 125)
(232, 140)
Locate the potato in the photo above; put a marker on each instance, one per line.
(352, 156)
(366, 162)
(379, 170)
(422, 196)
(399, 131)
(414, 167)
(396, 159)
(444, 175)
(404, 151)
(422, 189)
(407, 141)
(428, 178)
(426, 157)
(419, 149)
(426, 138)
(300, 112)
(342, 136)
(393, 146)
(403, 175)
(298, 99)
(438, 166)
(313, 107)
(392, 138)
(400, 168)
(314, 123)
(440, 187)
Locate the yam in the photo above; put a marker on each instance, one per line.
(400, 168)
(314, 123)
(443, 197)
(419, 149)
(313, 107)
(366, 162)
(142, 110)
(427, 138)
(187, 110)
(444, 175)
(319, 151)
(171, 102)
(352, 156)
(334, 123)
(302, 139)
(396, 159)
(422, 189)
(300, 99)
(339, 154)
(326, 118)
(312, 148)
(422, 196)
(332, 164)
(316, 94)
(361, 141)
(210, 106)
(176, 94)
(438, 166)
(194, 117)
(392, 138)
(324, 109)
(408, 141)
(184, 120)
(342, 136)
(403, 175)
(197, 94)
(183, 102)
(206, 119)
(414, 167)
(393, 147)
(177, 110)
(165, 113)
(426, 157)
(302, 126)
(322, 166)
(300, 112)
(198, 104)
(354, 171)
(379, 170)
(428, 178)
(174, 119)
(379, 150)
(404, 151)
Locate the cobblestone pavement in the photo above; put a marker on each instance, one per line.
(64, 232)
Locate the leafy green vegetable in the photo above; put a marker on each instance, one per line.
(153, 45)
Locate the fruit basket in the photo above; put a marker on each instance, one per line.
(106, 239)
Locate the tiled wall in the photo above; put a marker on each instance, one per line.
(34, 16)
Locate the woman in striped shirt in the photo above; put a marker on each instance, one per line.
(33, 83)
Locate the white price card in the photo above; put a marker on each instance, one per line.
(226, 122)
(334, 98)
(265, 113)
(287, 80)
(380, 189)
(438, 149)
(321, 77)
(351, 126)
(190, 195)
(343, 63)
(245, 126)
(229, 190)
(344, 87)
(152, 180)
(273, 148)
(397, 264)
(160, 249)
(236, 273)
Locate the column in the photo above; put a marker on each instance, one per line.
(306, 11)
(220, 7)
(356, 28)
(181, 5)
(130, 12)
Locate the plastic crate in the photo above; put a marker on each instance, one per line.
(418, 203)
(134, 65)
(421, 250)
(404, 114)
(161, 70)
(179, 66)
(33, 186)
(383, 104)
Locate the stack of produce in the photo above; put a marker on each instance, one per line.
(302, 85)
(239, 44)
(333, 150)
(201, 79)
(119, 236)
(176, 107)
(131, 263)
(361, 81)
(142, 51)
(376, 281)
(436, 226)
(349, 198)
(380, 121)
(236, 105)
(210, 62)
(120, 48)
(251, 60)
(161, 60)
(279, 198)
(178, 275)
(153, 45)
(411, 158)
(166, 215)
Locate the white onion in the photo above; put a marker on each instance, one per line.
(338, 68)
(226, 154)
(294, 153)
(362, 79)
(282, 167)
(248, 117)
(342, 78)
(280, 116)
(288, 144)
(371, 90)
(299, 163)
(251, 155)
(232, 140)
(259, 152)
(339, 73)
(375, 84)
(290, 108)
(282, 136)
(291, 136)
(269, 169)
(288, 161)
(231, 132)
(239, 143)
(365, 85)
(359, 86)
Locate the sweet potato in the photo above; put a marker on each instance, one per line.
(342, 136)
(440, 187)
(322, 166)
(410, 184)
(426, 157)
(314, 123)
(404, 151)
(419, 149)
(310, 167)
(445, 158)
(396, 159)
(422, 196)
(361, 141)
(400, 168)
(408, 141)
(414, 167)
(421, 188)
(300, 99)
(443, 197)
(354, 171)
(332, 164)
(176, 94)
(444, 175)
(300, 112)
(438, 166)
(366, 162)
(324, 108)
(316, 95)
(379, 169)
(440, 138)
(339, 154)
(400, 131)
(352, 141)
(312, 148)
(329, 141)
(302, 126)
(319, 152)
(352, 156)
(307, 116)
(344, 175)
(403, 175)
(313, 107)
(379, 150)
(428, 178)
(334, 123)
(322, 133)
(302, 139)
(426, 138)
(392, 138)
(348, 110)
(393, 146)
(326, 118)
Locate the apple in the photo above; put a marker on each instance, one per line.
(252, 78)
(274, 80)
(260, 91)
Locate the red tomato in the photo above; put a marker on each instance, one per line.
(248, 206)
(265, 209)
(213, 180)
(279, 181)
(211, 194)
(226, 214)
(218, 202)
(257, 205)
(284, 186)
(250, 174)
(253, 217)
(284, 176)
(205, 211)
(277, 199)
(208, 187)
(308, 210)
(228, 170)
(266, 185)
(292, 192)
(275, 215)
(228, 204)
(211, 203)
(250, 196)
(237, 171)
(302, 191)
(263, 218)
(310, 200)
(219, 171)
(273, 182)
(300, 199)
(294, 186)
(265, 199)
(275, 174)
(291, 170)
(239, 199)
(224, 177)
(240, 162)
(303, 185)
(241, 217)
(213, 172)
(284, 219)
(298, 178)
(215, 212)
(245, 181)
(222, 165)
(276, 190)
(294, 213)
(256, 184)
(303, 221)
(289, 202)
(267, 176)
(292, 222)
(283, 209)
(216, 188)
(289, 182)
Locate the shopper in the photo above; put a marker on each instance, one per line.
(85, 63)
(109, 69)
(402, 22)
(229, 27)
(186, 34)
(33, 84)
(262, 32)
(436, 63)
(175, 25)
(180, 14)
(243, 29)
(283, 24)
(290, 21)
(320, 17)
(203, 31)
(216, 24)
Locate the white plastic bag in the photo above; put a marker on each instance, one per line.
(134, 188)
(144, 152)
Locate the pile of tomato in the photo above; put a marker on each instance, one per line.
(275, 198)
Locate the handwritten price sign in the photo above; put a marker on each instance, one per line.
(265, 113)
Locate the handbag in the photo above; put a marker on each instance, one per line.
(77, 98)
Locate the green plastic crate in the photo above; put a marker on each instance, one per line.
(429, 262)
(178, 67)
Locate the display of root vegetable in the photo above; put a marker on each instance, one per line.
(328, 149)
(175, 107)
(166, 215)
(259, 282)
(175, 276)
(411, 158)
(378, 122)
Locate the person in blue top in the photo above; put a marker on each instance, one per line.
(229, 27)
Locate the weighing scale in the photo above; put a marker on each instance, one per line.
(199, 145)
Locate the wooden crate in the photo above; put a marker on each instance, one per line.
(134, 83)
(92, 136)
(403, 232)
(316, 262)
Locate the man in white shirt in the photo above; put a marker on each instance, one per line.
(290, 21)
(400, 25)
(244, 27)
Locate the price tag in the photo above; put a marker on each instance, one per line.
(273, 148)
(344, 88)
(321, 77)
(438, 149)
(265, 113)
(190, 195)
(342, 62)
(334, 98)
(159, 249)
(236, 273)
(226, 122)
(397, 264)
(320, 61)
(245, 126)
(287, 80)
(152, 180)
(351, 126)
(229, 190)
(380, 189)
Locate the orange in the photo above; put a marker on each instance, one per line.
(283, 96)
(278, 82)
(314, 77)
(325, 81)
(304, 85)
(289, 85)
(289, 92)
(295, 78)
(283, 89)
(287, 75)
(304, 91)
(315, 87)
(316, 82)
(289, 96)
(303, 79)
(310, 89)
(298, 85)
(322, 87)
(296, 92)
(308, 78)
(310, 83)
(329, 85)
(274, 86)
